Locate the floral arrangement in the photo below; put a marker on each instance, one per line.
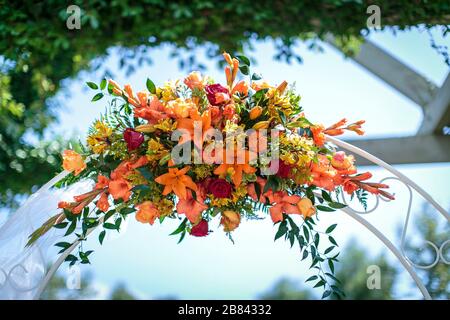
(179, 152)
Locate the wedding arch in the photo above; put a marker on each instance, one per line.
(309, 162)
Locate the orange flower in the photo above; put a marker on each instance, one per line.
(235, 170)
(255, 112)
(180, 108)
(194, 80)
(230, 220)
(153, 112)
(318, 135)
(192, 208)
(241, 87)
(343, 163)
(195, 121)
(251, 190)
(306, 207)
(283, 203)
(177, 181)
(147, 212)
(103, 203)
(323, 174)
(72, 161)
(120, 189)
(102, 182)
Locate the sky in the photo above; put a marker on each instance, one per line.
(152, 264)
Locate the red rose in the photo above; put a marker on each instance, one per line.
(200, 229)
(220, 188)
(284, 170)
(133, 139)
(212, 90)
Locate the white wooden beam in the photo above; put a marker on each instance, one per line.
(406, 150)
(437, 112)
(394, 72)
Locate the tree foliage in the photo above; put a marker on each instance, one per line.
(38, 51)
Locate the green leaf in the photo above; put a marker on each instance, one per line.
(326, 196)
(101, 236)
(181, 228)
(319, 284)
(331, 228)
(182, 236)
(337, 205)
(97, 97)
(71, 228)
(324, 208)
(71, 257)
(118, 223)
(329, 249)
(103, 84)
(326, 294)
(125, 211)
(244, 69)
(151, 86)
(305, 254)
(92, 85)
(331, 239)
(282, 229)
(311, 278)
(110, 226)
(64, 245)
(316, 239)
(245, 61)
(61, 225)
(306, 233)
(146, 173)
(331, 265)
(256, 76)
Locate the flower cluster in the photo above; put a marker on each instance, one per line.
(287, 168)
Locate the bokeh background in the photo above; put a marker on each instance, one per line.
(144, 262)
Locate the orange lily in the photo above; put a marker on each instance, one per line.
(191, 207)
(234, 169)
(177, 181)
(187, 124)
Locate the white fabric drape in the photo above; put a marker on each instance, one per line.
(22, 268)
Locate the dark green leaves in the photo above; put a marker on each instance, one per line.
(245, 70)
(324, 208)
(71, 228)
(331, 228)
(92, 85)
(243, 60)
(101, 236)
(97, 97)
(151, 86)
(282, 229)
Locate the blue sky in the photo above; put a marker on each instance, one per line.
(332, 87)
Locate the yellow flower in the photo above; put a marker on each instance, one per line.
(203, 171)
(156, 150)
(166, 125)
(219, 202)
(239, 193)
(98, 139)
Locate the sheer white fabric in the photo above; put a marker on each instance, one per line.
(22, 269)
